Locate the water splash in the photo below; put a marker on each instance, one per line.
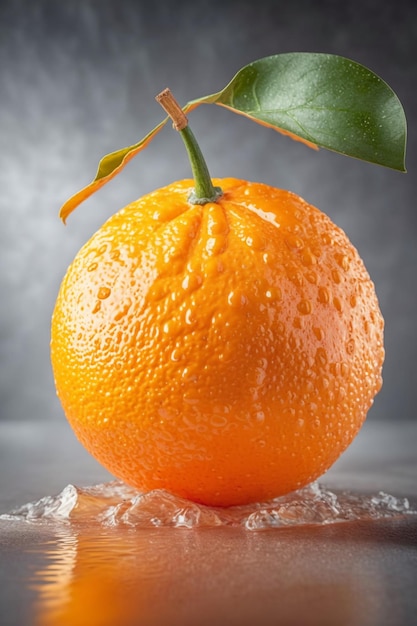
(115, 504)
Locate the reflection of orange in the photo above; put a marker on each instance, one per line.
(89, 584)
(226, 352)
(169, 577)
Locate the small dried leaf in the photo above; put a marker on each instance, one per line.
(109, 166)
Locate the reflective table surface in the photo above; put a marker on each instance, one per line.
(361, 573)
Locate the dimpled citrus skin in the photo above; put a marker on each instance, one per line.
(227, 353)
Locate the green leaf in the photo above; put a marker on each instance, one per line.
(327, 100)
(320, 99)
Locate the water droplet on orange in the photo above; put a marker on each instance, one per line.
(323, 295)
(296, 277)
(343, 261)
(327, 239)
(255, 241)
(218, 421)
(293, 241)
(344, 368)
(297, 322)
(191, 281)
(321, 356)
(350, 346)
(312, 277)
(189, 317)
(308, 258)
(115, 255)
(274, 294)
(337, 278)
(318, 333)
(123, 311)
(236, 299)
(102, 249)
(212, 267)
(342, 393)
(337, 304)
(103, 293)
(304, 307)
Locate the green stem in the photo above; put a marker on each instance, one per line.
(204, 190)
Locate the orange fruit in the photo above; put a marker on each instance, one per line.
(227, 353)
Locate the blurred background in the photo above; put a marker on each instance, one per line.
(78, 80)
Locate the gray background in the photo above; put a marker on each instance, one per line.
(78, 80)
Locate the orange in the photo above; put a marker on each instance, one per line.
(227, 353)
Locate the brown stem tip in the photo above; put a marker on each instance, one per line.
(171, 106)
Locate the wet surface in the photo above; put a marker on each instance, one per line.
(355, 573)
(115, 504)
(361, 572)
